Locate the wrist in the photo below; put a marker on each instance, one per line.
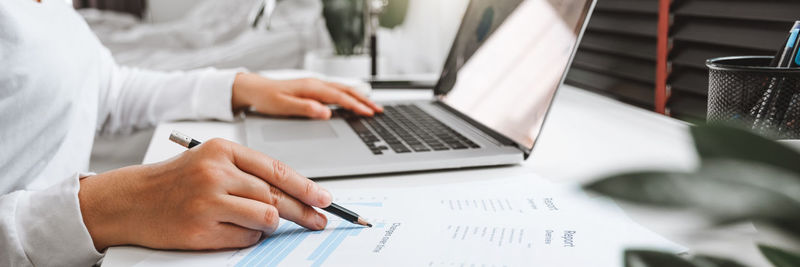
(240, 98)
(101, 213)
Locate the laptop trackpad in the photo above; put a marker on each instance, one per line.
(296, 130)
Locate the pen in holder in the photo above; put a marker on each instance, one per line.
(789, 125)
(748, 92)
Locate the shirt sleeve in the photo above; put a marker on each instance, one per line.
(137, 98)
(45, 228)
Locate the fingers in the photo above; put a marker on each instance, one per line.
(250, 214)
(232, 236)
(277, 174)
(262, 181)
(335, 96)
(253, 188)
(294, 106)
(305, 97)
(302, 214)
(352, 92)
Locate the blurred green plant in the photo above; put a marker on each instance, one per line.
(345, 22)
(394, 14)
(742, 177)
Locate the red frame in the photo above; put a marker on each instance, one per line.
(662, 60)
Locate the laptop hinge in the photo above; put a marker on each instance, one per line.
(497, 136)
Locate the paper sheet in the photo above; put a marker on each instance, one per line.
(521, 221)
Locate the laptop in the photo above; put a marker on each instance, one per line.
(494, 92)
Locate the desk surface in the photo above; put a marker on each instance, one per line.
(585, 136)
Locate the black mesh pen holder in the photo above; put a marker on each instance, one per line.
(746, 91)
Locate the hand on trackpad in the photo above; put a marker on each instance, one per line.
(296, 130)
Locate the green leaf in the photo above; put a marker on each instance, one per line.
(649, 258)
(725, 142)
(649, 188)
(725, 190)
(779, 257)
(708, 261)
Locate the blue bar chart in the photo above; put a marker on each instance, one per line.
(274, 249)
(289, 236)
(333, 241)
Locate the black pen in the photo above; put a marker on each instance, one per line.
(334, 209)
(787, 55)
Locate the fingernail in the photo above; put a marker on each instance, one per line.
(366, 110)
(325, 197)
(270, 230)
(323, 112)
(321, 221)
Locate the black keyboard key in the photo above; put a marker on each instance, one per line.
(471, 144)
(419, 148)
(440, 148)
(458, 145)
(402, 149)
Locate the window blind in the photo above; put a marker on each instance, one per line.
(617, 54)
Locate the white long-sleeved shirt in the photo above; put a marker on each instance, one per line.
(58, 87)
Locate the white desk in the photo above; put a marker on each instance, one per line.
(585, 136)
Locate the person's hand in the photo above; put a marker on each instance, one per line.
(214, 196)
(304, 97)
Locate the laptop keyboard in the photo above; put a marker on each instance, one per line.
(406, 129)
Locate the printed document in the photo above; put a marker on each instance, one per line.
(519, 221)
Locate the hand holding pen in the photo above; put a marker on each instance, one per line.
(217, 195)
(333, 208)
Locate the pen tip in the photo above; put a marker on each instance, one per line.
(364, 222)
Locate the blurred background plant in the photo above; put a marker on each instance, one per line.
(394, 14)
(345, 22)
(742, 177)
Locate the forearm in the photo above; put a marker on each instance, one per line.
(139, 98)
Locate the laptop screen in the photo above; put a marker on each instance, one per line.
(507, 61)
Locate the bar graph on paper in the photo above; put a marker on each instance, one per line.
(289, 237)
